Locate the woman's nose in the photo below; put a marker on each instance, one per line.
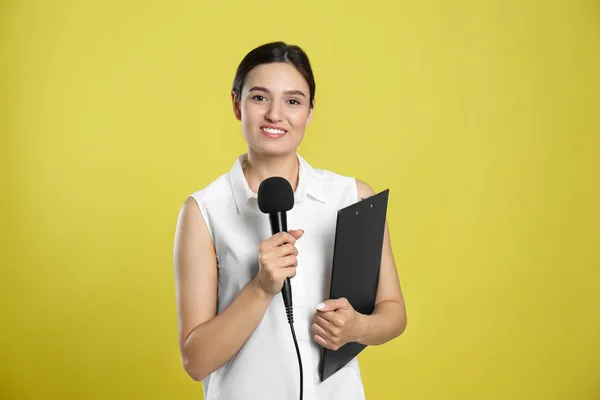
(274, 113)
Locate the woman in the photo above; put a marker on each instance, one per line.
(229, 269)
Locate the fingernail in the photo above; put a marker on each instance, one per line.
(321, 306)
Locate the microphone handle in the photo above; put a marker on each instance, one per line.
(278, 222)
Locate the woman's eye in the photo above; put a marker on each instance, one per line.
(259, 98)
(294, 101)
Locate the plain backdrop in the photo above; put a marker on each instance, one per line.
(481, 117)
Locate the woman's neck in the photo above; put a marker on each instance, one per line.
(259, 167)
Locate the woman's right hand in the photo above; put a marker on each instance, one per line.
(277, 260)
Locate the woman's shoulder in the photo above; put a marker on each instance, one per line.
(329, 177)
(364, 189)
(336, 181)
(217, 190)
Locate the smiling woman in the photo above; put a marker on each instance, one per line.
(229, 269)
(273, 95)
(292, 97)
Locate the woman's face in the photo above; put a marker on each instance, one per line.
(274, 108)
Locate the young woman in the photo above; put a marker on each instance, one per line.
(229, 268)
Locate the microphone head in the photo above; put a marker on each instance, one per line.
(275, 194)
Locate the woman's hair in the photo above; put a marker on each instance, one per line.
(271, 53)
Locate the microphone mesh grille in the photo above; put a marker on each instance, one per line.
(275, 194)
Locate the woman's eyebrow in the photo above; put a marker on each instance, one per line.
(288, 92)
(296, 92)
(259, 89)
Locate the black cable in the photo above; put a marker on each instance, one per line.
(290, 316)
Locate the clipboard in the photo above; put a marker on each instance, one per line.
(355, 270)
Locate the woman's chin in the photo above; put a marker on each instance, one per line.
(274, 149)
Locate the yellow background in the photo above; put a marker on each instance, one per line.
(482, 117)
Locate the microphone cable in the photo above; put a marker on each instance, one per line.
(276, 197)
(290, 317)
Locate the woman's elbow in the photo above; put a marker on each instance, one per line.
(402, 325)
(401, 321)
(194, 368)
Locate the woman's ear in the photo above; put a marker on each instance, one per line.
(236, 106)
(310, 113)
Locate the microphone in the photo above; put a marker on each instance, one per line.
(275, 197)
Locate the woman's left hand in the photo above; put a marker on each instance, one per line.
(337, 323)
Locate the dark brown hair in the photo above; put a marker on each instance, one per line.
(271, 53)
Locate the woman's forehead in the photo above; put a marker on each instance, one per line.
(277, 77)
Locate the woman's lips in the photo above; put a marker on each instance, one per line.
(272, 131)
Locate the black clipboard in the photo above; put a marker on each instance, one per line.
(355, 270)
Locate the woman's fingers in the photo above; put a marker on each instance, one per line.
(326, 325)
(285, 250)
(318, 330)
(332, 317)
(280, 238)
(277, 258)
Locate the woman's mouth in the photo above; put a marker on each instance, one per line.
(272, 132)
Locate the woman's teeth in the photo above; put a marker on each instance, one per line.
(273, 131)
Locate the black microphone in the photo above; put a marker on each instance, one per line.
(275, 197)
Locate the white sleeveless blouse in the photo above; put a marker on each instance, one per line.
(266, 367)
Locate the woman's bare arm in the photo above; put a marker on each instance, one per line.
(207, 340)
(388, 320)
